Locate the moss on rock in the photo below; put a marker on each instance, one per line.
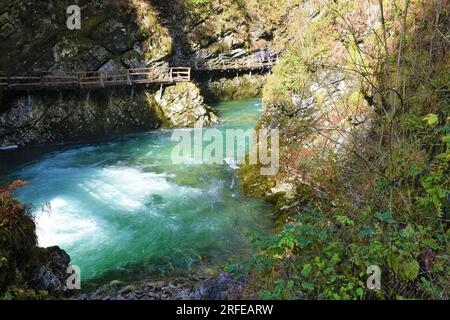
(240, 87)
(183, 106)
(53, 117)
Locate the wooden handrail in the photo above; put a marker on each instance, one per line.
(133, 76)
(96, 79)
(230, 64)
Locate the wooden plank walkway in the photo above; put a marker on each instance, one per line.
(229, 64)
(95, 79)
(128, 77)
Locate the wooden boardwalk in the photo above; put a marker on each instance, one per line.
(127, 77)
(229, 64)
(95, 79)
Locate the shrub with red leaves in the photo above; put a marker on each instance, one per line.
(9, 207)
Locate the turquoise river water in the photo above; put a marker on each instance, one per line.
(122, 209)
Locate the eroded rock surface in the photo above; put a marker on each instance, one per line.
(239, 87)
(48, 269)
(222, 287)
(183, 106)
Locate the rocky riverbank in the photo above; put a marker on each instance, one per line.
(222, 287)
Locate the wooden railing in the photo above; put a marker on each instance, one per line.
(179, 74)
(252, 63)
(96, 79)
(130, 77)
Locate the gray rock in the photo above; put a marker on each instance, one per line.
(47, 269)
(134, 58)
(109, 66)
(116, 36)
(87, 55)
(45, 279)
(224, 287)
(183, 106)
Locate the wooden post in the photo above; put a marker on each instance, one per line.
(30, 102)
(160, 92)
(102, 84)
(128, 77)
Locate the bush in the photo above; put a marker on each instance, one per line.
(17, 236)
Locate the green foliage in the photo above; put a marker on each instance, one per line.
(432, 119)
(320, 256)
(20, 293)
(436, 182)
(197, 2)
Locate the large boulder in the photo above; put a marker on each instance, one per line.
(47, 269)
(23, 265)
(183, 106)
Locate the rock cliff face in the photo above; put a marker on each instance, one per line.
(218, 30)
(35, 36)
(57, 117)
(239, 87)
(321, 109)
